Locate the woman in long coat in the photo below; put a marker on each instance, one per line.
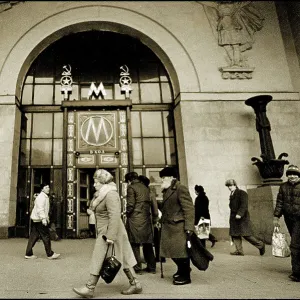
(239, 221)
(202, 211)
(177, 220)
(107, 208)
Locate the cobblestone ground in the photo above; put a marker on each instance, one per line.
(228, 277)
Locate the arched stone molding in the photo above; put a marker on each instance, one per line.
(159, 39)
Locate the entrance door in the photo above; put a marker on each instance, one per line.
(85, 192)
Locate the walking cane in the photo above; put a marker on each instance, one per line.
(161, 268)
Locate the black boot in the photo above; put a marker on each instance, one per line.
(182, 276)
(135, 286)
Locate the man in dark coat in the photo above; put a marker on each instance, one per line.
(240, 225)
(139, 222)
(177, 223)
(288, 205)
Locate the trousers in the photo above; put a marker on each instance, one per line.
(39, 230)
(237, 240)
(293, 226)
(183, 267)
(148, 254)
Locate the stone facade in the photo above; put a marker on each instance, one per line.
(216, 135)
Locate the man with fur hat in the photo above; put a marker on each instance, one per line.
(177, 223)
(288, 205)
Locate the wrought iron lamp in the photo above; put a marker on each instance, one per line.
(270, 168)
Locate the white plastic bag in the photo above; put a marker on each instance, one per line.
(280, 247)
(203, 229)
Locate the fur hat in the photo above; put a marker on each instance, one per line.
(292, 170)
(131, 176)
(145, 180)
(168, 172)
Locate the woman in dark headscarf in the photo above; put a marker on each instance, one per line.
(202, 210)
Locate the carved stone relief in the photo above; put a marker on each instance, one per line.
(234, 24)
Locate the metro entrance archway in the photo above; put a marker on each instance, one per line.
(90, 129)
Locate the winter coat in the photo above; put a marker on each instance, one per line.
(201, 207)
(154, 205)
(41, 208)
(110, 224)
(178, 216)
(138, 212)
(288, 200)
(238, 204)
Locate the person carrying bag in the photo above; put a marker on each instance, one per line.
(280, 247)
(107, 208)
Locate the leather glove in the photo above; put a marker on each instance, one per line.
(276, 222)
(44, 222)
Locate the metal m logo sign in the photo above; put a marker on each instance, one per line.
(96, 91)
(96, 130)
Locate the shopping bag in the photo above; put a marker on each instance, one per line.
(280, 247)
(203, 229)
(110, 266)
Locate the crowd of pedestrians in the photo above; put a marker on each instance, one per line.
(165, 226)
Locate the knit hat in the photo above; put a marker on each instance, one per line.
(292, 170)
(168, 172)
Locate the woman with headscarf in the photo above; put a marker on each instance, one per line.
(107, 207)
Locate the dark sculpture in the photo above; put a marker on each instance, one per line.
(270, 168)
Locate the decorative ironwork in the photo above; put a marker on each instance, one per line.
(66, 81)
(70, 222)
(70, 205)
(70, 189)
(125, 81)
(270, 168)
(123, 130)
(124, 159)
(70, 145)
(70, 173)
(122, 116)
(71, 117)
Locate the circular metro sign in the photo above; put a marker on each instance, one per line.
(96, 131)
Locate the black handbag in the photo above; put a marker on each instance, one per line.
(199, 255)
(110, 266)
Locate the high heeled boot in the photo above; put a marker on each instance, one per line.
(135, 286)
(87, 291)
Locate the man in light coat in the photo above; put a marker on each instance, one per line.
(177, 224)
(39, 224)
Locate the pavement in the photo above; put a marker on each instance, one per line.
(228, 277)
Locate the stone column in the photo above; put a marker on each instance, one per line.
(9, 157)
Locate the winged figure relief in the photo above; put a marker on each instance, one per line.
(234, 25)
